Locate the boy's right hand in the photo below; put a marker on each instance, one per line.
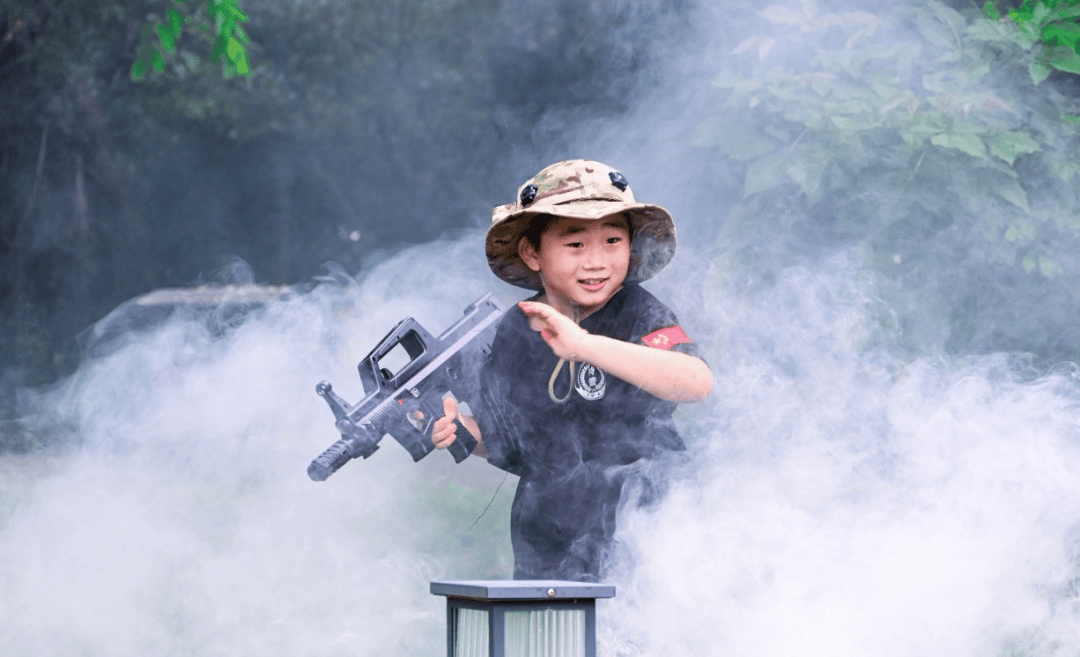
(442, 432)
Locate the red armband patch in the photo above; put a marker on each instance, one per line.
(666, 338)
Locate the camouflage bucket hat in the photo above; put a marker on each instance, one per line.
(579, 189)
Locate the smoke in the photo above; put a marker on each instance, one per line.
(847, 502)
(186, 523)
(851, 499)
(852, 504)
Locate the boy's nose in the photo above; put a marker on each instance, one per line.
(594, 258)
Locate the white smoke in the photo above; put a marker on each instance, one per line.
(852, 504)
(847, 503)
(186, 523)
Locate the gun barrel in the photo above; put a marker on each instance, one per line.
(329, 461)
(340, 453)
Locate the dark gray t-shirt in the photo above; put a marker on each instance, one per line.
(572, 457)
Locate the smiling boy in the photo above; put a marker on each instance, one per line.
(585, 375)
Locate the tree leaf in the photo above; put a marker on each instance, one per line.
(1062, 34)
(1069, 62)
(176, 19)
(1065, 12)
(763, 174)
(241, 63)
(1029, 263)
(926, 124)
(969, 143)
(807, 167)
(1011, 191)
(994, 32)
(1038, 70)
(1066, 170)
(234, 50)
(896, 101)
(857, 123)
(1021, 231)
(738, 139)
(168, 41)
(1049, 267)
(1009, 145)
(935, 31)
(952, 18)
(1040, 13)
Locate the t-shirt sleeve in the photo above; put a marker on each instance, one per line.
(659, 328)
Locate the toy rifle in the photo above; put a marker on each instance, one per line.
(450, 363)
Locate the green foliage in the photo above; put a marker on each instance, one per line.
(1047, 27)
(910, 134)
(222, 20)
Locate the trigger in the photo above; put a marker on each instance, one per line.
(418, 424)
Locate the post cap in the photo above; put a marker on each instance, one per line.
(521, 589)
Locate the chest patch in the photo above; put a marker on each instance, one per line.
(591, 382)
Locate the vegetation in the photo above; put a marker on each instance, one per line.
(356, 127)
(936, 141)
(1051, 27)
(913, 137)
(221, 25)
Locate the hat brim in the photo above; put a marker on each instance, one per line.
(652, 246)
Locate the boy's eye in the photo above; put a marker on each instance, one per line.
(575, 245)
(614, 240)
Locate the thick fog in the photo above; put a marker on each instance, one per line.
(852, 497)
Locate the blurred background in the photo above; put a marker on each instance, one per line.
(919, 134)
(879, 253)
(362, 127)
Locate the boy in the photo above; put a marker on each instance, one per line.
(584, 376)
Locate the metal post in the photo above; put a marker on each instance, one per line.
(496, 598)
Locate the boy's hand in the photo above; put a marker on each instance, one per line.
(442, 432)
(558, 331)
(669, 375)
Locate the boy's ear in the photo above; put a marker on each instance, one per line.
(528, 255)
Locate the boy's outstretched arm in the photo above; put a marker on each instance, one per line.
(669, 375)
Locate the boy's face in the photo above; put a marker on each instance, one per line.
(581, 262)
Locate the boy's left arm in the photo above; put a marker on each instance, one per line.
(666, 374)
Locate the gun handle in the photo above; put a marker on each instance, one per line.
(464, 443)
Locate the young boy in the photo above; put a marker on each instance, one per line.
(584, 376)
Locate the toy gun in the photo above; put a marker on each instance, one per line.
(448, 363)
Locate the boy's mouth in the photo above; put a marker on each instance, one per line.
(592, 284)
